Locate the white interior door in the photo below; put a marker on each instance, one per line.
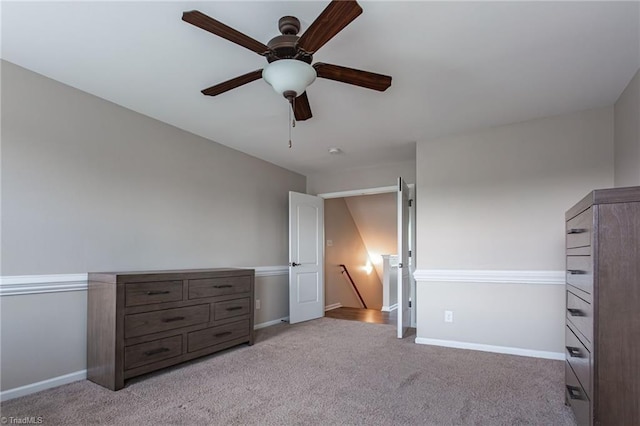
(306, 264)
(404, 284)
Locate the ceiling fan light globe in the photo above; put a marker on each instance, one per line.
(287, 75)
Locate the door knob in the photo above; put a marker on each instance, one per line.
(294, 264)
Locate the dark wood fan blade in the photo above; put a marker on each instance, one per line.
(207, 23)
(233, 83)
(337, 15)
(301, 107)
(366, 79)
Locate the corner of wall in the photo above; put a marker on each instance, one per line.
(626, 135)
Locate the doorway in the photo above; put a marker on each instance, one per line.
(360, 262)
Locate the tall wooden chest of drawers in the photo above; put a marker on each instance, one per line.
(138, 322)
(602, 370)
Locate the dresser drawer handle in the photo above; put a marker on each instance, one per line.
(574, 352)
(576, 272)
(173, 319)
(576, 312)
(574, 392)
(223, 286)
(234, 308)
(156, 351)
(156, 292)
(576, 231)
(224, 333)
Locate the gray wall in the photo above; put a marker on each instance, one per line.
(361, 178)
(494, 200)
(42, 336)
(90, 186)
(273, 293)
(627, 135)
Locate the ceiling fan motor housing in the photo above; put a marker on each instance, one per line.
(285, 46)
(289, 25)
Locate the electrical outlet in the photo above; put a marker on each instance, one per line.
(257, 303)
(448, 316)
(329, 243)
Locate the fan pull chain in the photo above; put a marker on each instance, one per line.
(289, 127)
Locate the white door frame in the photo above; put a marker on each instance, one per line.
(384, 190)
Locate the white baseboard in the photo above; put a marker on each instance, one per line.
(270, 323)
(389, 308)
(332, 306)
(491, 348)
(45, 384)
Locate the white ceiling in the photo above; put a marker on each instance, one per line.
(455, 67)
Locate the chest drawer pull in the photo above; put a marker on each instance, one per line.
(224, 333)
(576, 272)
(574, 392)
(234, 308)
(153, 293)
(156, 351)
(576, 231)
(575, 312)
(173, 319)
(574, 352)
(223, 286)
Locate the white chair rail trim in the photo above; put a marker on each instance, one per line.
(35, 284)
(16, 285)
(271, 271)
(490, 276)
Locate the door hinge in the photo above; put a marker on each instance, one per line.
(410, 202)
(409, 303)
(409, 253)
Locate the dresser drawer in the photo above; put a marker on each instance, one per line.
(215, 335)
(579, 358)
(580, 273)
(211, 287)
(146, 293)
(579, 229)
(231, 308)
(167, 319)
(580, 314)
(149, 352)
(576, 397)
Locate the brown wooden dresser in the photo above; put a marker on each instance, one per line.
(602, 371)
(138, 322)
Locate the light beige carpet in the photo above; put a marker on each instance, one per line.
(322, 372)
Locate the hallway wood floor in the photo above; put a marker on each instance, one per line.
(362, 315)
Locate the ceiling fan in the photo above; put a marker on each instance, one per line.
(289, 70)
